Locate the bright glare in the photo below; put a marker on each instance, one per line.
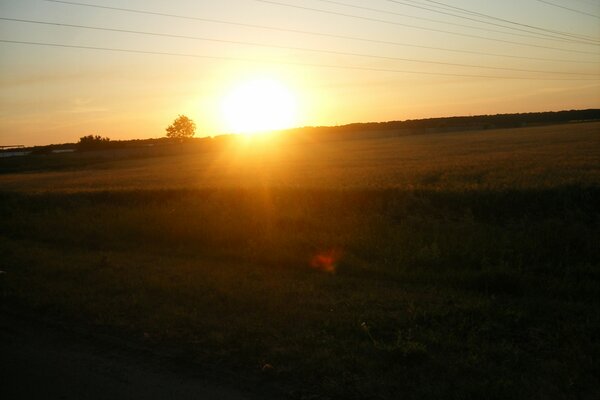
(258, 106)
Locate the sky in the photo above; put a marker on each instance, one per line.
(339, 61)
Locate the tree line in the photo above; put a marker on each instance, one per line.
(181, 129)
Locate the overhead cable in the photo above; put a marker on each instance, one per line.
(334, 52)
(416, 26)
(569, 9)
(534, 35)
(471, 12)
(316, 65)
(321, 34)
(346, 15)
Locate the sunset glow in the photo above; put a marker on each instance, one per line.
(124, 69)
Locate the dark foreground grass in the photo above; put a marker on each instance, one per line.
(434, 294)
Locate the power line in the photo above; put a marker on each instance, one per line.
(547, 34)
(531, 34)
(471, 12)
(277, 29)
(570, 9)
(330, 66)
(449, 7)
(389, 58)
(417, 27)
(589, 3)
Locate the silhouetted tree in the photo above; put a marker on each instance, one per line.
(182, 128)
(92, 142)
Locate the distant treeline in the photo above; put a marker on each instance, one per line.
(446, 124)
(344, 132)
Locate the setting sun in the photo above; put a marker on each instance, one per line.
(259, 105)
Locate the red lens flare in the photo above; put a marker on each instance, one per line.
(326, 261)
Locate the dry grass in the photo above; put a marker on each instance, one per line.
(496, 159)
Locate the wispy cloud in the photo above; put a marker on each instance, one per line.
(84, 106)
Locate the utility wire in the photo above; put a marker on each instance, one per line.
(589, 3)
(534, 35)
(277, 29)
(417, 27)
(471, 12)
(570, 9)
(330, 66)
(550, 35)
(584, 39)
(389, 58)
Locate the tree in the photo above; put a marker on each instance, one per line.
(182, 128)
(92, 142)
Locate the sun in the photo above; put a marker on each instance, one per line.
(259, 105)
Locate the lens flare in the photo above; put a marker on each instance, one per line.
(326, 261)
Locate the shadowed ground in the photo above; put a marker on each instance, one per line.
(44, 362)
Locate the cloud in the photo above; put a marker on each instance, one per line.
(84, 106)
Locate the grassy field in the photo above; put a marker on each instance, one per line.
(456, 265)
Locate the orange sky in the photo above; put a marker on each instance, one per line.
(58, 94)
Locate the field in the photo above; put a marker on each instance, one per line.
(455, 265)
